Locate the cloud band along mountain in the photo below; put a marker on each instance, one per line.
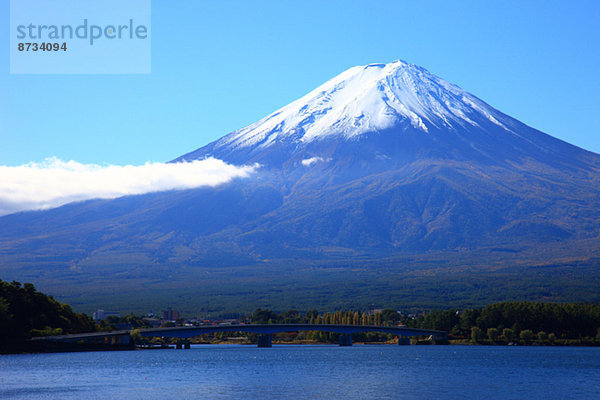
(383, 180)
(39, 186)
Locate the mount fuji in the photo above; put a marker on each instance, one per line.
(384, 186)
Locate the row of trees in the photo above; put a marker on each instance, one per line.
(328, 318)
(387, 317)
(526, 336)
(523, 322)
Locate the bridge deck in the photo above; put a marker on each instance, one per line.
(82, 336)
(268, 329)
(186, 332)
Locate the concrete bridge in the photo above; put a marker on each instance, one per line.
(113, 340)
(267, 330)
(121, 338)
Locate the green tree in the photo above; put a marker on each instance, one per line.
(390, 317)
(476, 334)
(508, 334)
(5, 317)
(526, 335)
(290, 317)
(552, 338)
(136, 336)
(516, 328)
(468, 319)
(492, 334)
(264, 317)
(441, 320)
(312, 314)
(542, 337)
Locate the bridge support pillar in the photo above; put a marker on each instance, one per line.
(264, 341)
(118, 340)
(403, 340)
(123, 339)
(439, 339)
(186, 344)
(345, 340)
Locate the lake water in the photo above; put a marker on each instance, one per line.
(307, 372)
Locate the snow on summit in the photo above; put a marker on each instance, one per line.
(364, 99)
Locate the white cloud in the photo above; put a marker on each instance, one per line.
(54, 182)
(307, 162)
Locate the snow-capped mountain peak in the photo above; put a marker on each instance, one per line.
(368, 98)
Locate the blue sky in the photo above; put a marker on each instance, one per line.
(220, 65)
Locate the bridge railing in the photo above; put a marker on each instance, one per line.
(121, 338)
(269, 329)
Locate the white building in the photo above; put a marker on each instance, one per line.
(100, 315)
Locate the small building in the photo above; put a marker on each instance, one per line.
(100, 315)
(170, 315)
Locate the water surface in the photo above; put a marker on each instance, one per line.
(307, 372)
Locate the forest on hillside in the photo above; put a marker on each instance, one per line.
(25, 313)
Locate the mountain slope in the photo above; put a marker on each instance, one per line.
(384, 166)
(396, 157)
(395, 110)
